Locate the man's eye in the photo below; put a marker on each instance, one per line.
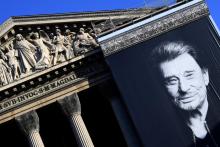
(171, 81)
(189, 76)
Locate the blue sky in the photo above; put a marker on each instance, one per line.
(30, 7)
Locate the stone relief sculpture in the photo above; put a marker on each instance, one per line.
(12, 58)
(92, 33)
(26, 53)
(61, 52)
(77, 48)
(5, 72)
(85, 39)
(43, 45)
(83, 42)
(38, 50)
(69, 39)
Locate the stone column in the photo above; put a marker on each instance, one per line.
(29, 125)
(72, 109)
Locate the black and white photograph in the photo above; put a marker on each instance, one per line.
(170, 85)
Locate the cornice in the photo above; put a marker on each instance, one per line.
(69, 17)
(154, 28)
(6, 26)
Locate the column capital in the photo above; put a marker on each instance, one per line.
(28, 122)
(70, 104)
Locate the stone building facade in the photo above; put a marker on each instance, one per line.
(56, 88)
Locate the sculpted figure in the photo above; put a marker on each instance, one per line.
(77, 48)
(12, 58)
(2, 55)
(85, 39)
(26, 53)
(91, 32)
(43, 46)
(60, 49)
(51, 36)
(5, 73)
(69, 38)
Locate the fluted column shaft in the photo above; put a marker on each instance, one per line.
(72, 108)
(35, 139)
(29, 125)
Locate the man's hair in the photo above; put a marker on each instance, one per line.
(171, 50)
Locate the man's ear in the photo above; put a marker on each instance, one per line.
(205, 73)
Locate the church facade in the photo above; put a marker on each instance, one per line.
(70, 79)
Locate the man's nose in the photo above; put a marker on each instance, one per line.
(184, 85)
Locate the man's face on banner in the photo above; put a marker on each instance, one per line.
(185, 81)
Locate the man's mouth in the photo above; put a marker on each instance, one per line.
(187, 99)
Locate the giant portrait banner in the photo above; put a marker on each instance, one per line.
(170, 86)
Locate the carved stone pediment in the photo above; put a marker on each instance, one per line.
(30, 44)
(45, 57)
